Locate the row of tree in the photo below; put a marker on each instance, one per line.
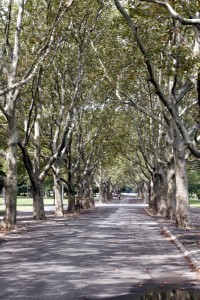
(55, 102)
(99, 91)
(167, 94)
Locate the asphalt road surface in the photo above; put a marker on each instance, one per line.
(115, 251)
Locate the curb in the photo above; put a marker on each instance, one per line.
(194, 262)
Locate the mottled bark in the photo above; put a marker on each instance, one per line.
(183, 219)
(10, 183)
(37, 183)
(171, 190)
(145, 192)
(71, 202)
(162, 192)
(38, 203)
(88, 196)
(102, 192)
(155, 193)
(58, 196)
(109, 190)
(70, 183)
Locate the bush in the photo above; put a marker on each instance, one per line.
(198, 194)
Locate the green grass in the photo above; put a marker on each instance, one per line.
(194, 202)
(26, 203)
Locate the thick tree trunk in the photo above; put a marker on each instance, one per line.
(79, 189)
(151, 198)
(71, 194)
(88, 196)
(102, 192)
(145, 192)
(155, 193)
(58, 196)
(71, 202)
(162, 191)
(171, 190)
(70, 188)
(70, 183)
(9, 220)
(183, 219)
(109, 190)
(38, 203)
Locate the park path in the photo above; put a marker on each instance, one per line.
(115, 251)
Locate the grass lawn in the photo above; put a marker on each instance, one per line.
(194, 203)
(26, 204)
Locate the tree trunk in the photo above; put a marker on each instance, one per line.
(9, 220)
(102, 192)
(88, 196)
(38, 203)
(71, 195)
(145, 192)
(154, 196)
(171, 190)
(109, 190)
(183, 219)
(58, 195)
(162, 191)
(70, 185)
(79, 195)
(71, 202)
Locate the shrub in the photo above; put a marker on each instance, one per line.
(198, 194)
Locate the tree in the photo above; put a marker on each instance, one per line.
(15, 73)
(171, 100)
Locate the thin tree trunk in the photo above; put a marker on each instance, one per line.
(38, 202)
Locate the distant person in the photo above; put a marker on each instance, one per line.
(119, 195)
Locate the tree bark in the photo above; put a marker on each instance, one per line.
(88, 196)
(38, 203)
(70, 185)
(171, 190)
(102, 192)
(154, 195)
(59, 211)
(162, 191)
(109, 190)
(183, 219)
(9, 220)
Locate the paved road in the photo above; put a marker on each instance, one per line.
(113, 252)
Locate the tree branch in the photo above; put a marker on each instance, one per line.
(175, 15)
(153, 79)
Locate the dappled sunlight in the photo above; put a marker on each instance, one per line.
(99, 254)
